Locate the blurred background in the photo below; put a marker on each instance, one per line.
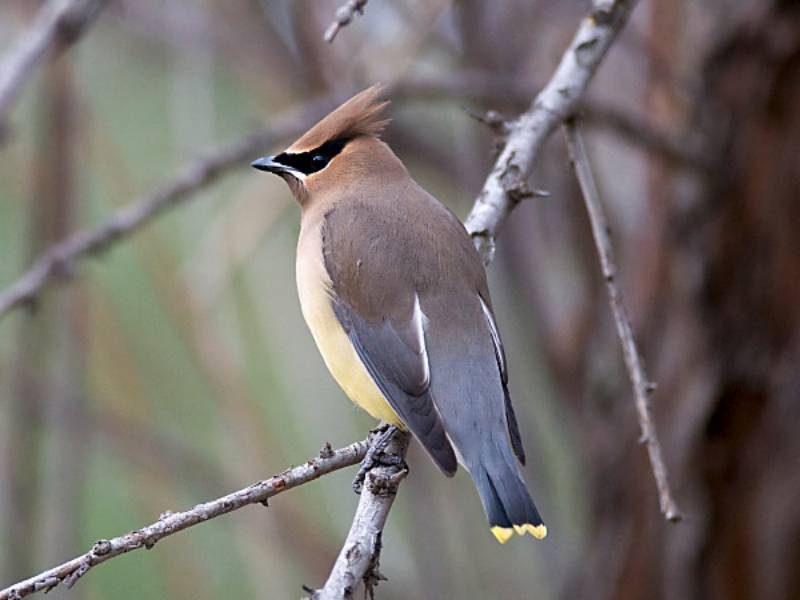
(176, 367)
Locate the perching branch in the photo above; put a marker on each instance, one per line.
(344, 14)
(358, 559)
(169, 523)
(58, 24)
(642, 387)
(507, 182)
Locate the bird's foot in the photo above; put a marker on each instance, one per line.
(376, 456)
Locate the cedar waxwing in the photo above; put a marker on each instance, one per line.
(395, 295)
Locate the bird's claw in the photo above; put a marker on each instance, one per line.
(375, 456)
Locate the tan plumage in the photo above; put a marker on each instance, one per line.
(359, 116)
(396, 298)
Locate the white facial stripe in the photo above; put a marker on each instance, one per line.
(298, 175)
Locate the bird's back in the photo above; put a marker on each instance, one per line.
(385, 255)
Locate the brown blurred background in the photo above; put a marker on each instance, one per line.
(177, 367)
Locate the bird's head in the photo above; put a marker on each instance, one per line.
(339, 151)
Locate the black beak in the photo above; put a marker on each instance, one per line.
(267, 163)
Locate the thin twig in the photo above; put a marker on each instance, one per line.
(344, 14)
(258, 493)
(58, 24)
(60, 260)
(507, 182)
(642, 386)
(358, 559)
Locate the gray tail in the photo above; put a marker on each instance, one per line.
(506, 501)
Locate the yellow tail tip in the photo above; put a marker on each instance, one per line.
(503, 534)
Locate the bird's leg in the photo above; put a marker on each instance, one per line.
(375, 455)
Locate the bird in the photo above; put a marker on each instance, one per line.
(396, 298)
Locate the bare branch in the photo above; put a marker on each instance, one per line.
(358, 560)
(258, 493)
(59, 262)
(642, 386)
(58, 24)
(507, 182)
(344, 14)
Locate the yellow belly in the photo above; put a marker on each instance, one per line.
(342, 360)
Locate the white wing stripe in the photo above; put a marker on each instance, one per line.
(420, 322)
(495, 335)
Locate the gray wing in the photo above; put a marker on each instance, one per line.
(382, 317)
(398, 363)
(500, 355)
(384, 268)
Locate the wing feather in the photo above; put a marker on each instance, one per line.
(395, 356)
(500, 354)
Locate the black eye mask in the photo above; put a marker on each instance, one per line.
(313, 160)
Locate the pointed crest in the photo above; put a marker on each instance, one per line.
(360, 115)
